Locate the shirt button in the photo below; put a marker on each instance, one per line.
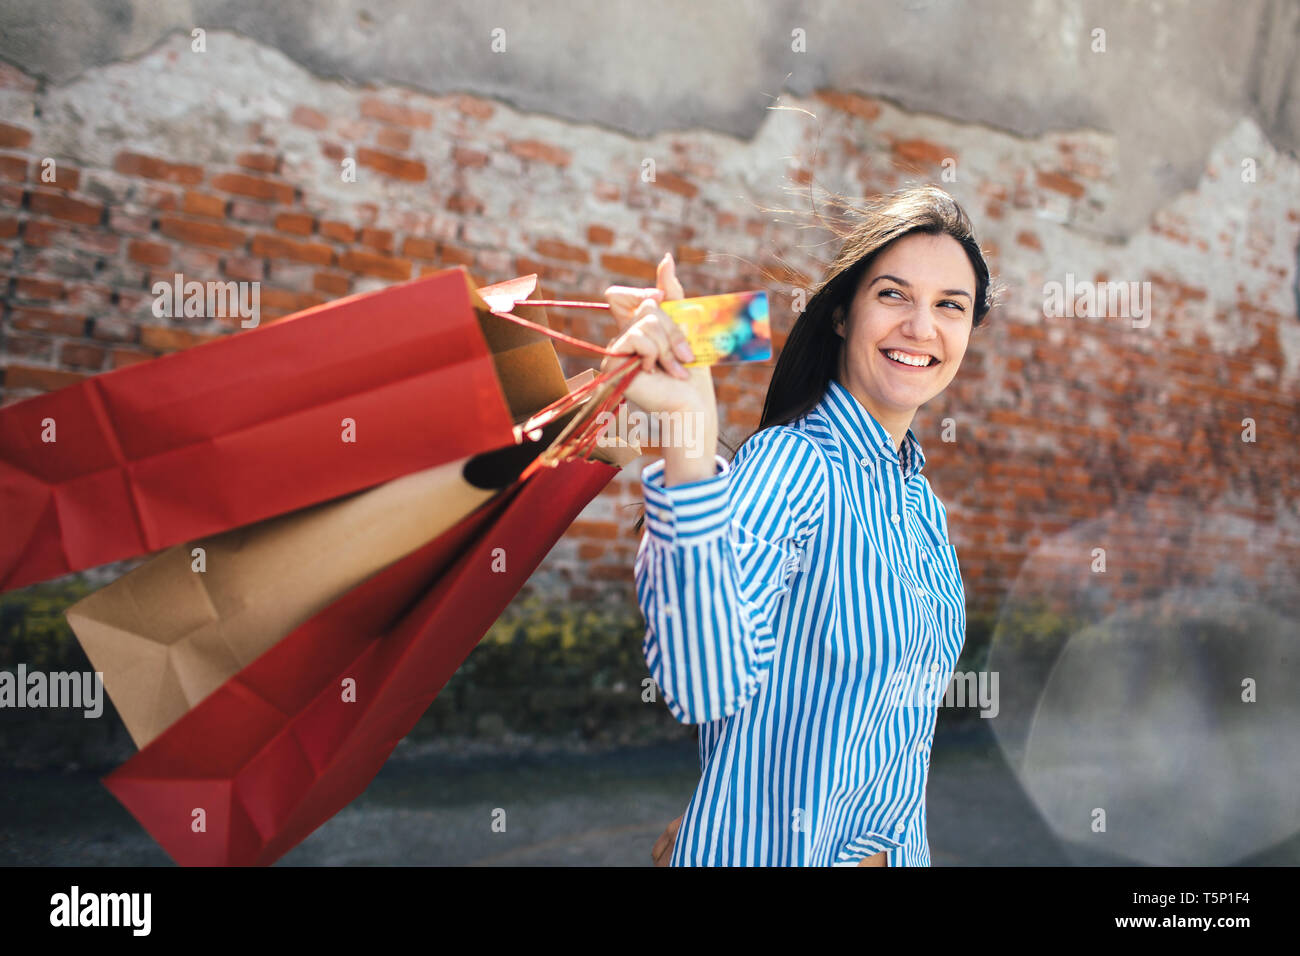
(894, 518)
(863, 462)
(920, 592)
(900, 827)
(924, 556)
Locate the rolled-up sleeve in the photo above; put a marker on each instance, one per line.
(717, 557)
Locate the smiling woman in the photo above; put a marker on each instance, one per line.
(797, 598)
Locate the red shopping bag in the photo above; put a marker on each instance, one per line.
(295, 736)
(252, 425)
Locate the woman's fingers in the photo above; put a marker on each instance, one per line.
(623, 302)
(650, 328)
(676, 338)
(661, 852)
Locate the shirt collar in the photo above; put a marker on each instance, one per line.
(862, 435)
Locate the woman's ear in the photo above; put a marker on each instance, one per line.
(837, 320)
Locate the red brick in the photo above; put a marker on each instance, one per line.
(454, 256)
(148, 253)
(120, 358)
(464, 204)
(277, 247)
(28, 287)
(258, 162)
(306, 116)
(690, 255)
(1028, 240)
(166, 339)
(475, 107)
(674, 183)
(13, 169)
(65, 208)
(555, 249)
(297, 223)
(114, 328)
(340, 231)
(150, 167)
(331, 283)
(921, 151)
(80, 355)
(414, 248)
(161, 198)
(65, 177)
(386, 112)
(39, 348)
(255, 187)
(14, 137)
(390, 137)
(12, 78)
(279, 299)
(1060, 184)
(8, 228)
(366, 263)
(40, 234)
(201, 233)
(243, 268)
(203, 204)
(629, 266)
(600, 235)
(41, 379)
(468, 157)
(246, 210)
(120, 220)
(605, 530)
(380, 239)
(862, 106)
(391, 165)
(535, 149)
(44, 320)
(332, 151)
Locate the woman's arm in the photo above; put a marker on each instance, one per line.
(717, 556)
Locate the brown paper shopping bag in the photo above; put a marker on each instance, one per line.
(172, 631)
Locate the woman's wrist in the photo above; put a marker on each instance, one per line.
(692, 457)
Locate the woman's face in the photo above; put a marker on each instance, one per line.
(917, 298)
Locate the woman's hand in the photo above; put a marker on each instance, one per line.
(663, 385)
(662, 852)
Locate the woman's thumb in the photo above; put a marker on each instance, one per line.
(667, 278)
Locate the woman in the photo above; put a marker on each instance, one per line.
(803, 603)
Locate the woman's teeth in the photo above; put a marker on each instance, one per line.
(917, 361)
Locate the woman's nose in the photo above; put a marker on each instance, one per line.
(919, 324)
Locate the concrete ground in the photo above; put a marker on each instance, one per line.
(429, 807)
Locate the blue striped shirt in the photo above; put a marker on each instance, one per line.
(805, 607)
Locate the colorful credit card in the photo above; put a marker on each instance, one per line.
(724, 329)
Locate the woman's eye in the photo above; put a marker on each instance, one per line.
(960, 307)
(885, 291)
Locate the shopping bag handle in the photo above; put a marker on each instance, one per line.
(604, 392)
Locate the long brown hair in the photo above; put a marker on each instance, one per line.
(811, 353)
(809, 360)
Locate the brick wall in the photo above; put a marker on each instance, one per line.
(1069, 433)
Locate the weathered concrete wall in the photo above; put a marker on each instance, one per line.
(1174, 78)
(226, 164)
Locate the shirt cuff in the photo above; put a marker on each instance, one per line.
(695, 510)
